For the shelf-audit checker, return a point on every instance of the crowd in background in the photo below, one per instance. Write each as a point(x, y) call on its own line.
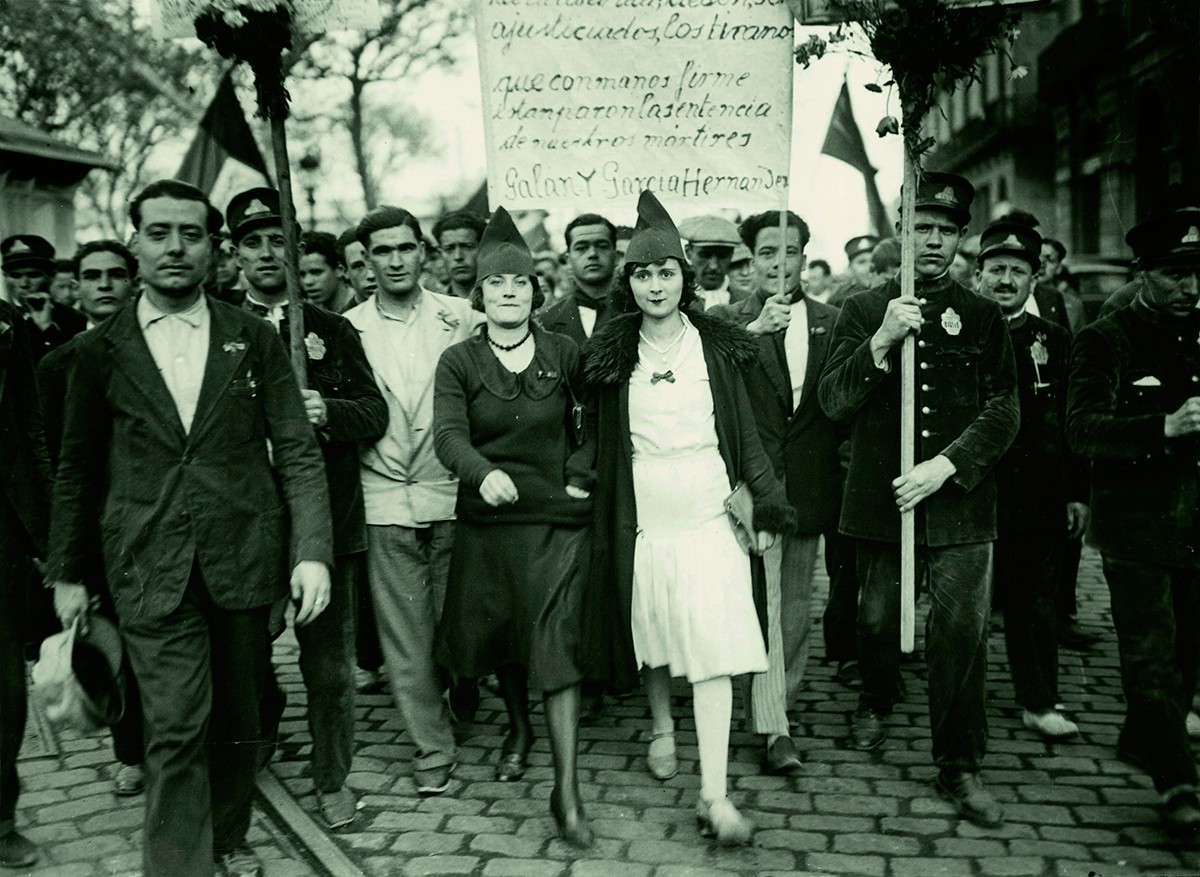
point(580, 473)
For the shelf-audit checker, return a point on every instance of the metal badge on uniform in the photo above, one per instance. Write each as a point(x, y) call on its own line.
point(951, 322)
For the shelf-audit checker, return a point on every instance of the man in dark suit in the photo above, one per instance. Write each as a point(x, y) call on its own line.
point(24, 510)
point(1134, 411)
point(186, 441)
point(105, 271)
point(802, 444)
point(592, 259)
point(966, 399)
point(1041, 490)
point(346, 409)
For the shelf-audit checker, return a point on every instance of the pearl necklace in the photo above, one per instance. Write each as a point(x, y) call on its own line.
point(663, 352)
point(509, 347)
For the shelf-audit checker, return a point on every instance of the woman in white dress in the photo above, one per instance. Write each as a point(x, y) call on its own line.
point(675, 436)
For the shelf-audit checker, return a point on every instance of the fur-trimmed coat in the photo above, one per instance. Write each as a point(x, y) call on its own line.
point(610, 357)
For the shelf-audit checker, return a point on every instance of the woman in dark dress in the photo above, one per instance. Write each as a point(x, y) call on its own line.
point(506, 422)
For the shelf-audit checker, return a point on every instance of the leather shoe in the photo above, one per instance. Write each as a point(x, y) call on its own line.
point(782, 757)
point(867, 731)
point(972, 801)
point(847, 674)
point(130, 780)
point(661, 758)
point(17, 851)
point(1075, 638)
point(1181, 810)
point(242, 862)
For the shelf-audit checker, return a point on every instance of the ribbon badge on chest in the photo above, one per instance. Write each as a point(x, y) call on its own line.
point(1038, 350)
point(951, 322)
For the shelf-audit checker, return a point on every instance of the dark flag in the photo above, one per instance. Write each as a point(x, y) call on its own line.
point(224, 133)
point(844, 142)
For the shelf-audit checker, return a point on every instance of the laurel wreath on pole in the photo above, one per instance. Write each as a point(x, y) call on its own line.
point(258, 32)
point(929, 47)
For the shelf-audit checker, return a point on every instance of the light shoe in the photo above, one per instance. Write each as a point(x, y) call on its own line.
point(1193, 726)
point(972, 801)
point(661, 760)
point(1051, 724)
point(432, 780)
point(242, 862)
point(130, 780)
point(337, 808)
point(721, 820)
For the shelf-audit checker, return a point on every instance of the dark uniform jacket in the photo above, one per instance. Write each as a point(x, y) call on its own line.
point(802, 442)
point(65, 324)
point(609, 361)
point(25, 471)
point(1129, 370)
point(1038, 475)
point(357, 415)
point(967, 410)
point(165, 499)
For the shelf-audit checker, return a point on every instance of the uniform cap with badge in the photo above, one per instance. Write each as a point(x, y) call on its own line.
point(251, 210)
point(948, 193)
point(1006, 238)
point(1169, 238)
point(26, 251)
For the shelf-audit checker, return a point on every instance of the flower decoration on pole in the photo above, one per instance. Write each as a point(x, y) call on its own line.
point(257, 32)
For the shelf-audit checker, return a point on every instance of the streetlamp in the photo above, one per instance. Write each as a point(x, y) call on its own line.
point(310, 169)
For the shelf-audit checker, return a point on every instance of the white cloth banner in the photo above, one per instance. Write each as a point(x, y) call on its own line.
point(587, 102)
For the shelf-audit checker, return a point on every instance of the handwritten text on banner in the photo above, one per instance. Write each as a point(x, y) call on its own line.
point(588, 102)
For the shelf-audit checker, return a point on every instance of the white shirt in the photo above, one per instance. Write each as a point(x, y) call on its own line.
point(587, 316)
point(795, 348)
point(1031, 306)
point(179, 345)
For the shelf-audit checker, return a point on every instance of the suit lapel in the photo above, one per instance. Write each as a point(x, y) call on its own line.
point(131, 355)
point(773, 359)
point(819, 329)
point(226, 350)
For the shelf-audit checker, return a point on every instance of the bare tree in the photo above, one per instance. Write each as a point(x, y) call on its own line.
point(92, 73)
point(413, 37)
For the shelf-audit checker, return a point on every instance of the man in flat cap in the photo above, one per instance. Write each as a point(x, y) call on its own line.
point(1134, 411)
point(28, 265)
point(711, 241)
point(1041, 488)
point(967, 416)
point(346, 411)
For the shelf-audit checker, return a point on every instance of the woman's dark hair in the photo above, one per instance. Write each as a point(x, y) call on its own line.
point(622, 296)
point(476, 297)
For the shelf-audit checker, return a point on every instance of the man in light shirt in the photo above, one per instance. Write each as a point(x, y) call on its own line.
point(409, 494)
point(792, 339)
point(165, 462)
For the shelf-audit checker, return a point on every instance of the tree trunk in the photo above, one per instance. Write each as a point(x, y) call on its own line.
point(357, 128)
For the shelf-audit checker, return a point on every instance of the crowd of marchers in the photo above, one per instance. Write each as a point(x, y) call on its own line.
point(580, 475)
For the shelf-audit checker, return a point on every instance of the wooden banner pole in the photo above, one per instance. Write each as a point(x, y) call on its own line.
point(291, 264)
point(908, 408)
point(783, 236)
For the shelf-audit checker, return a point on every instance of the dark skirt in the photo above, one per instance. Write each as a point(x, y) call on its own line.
point(515, 596)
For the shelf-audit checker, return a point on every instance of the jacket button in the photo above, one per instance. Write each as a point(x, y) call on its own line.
point(925, 410)
point(925, 387)
point(924, 433)
point(924, 366)
point(921, 342)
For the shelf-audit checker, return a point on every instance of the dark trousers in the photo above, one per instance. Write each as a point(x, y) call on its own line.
point(368, 653)
point(959, 580)
point(327, 667)
point(840, 621)
point(1155, 611)
point(13, 704)
point(1028, 573)
point(200, 670)
point(1064, 598)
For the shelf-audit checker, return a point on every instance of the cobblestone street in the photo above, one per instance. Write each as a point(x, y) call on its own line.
point(1072, 809)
